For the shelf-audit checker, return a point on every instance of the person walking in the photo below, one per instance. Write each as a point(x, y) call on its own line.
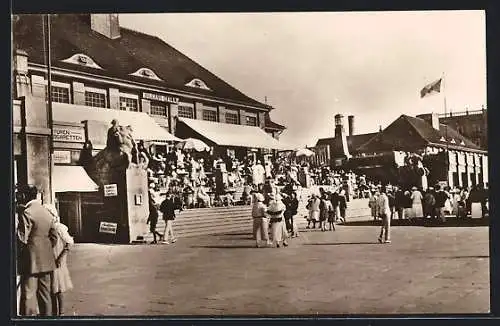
point(399, 200)
point(291, 204)
point(275, 210)
point(260, 221)
point(429, 203)
point(61, 280)
point(328, 212)
point(416, 197)
point(314, 211)
point(167, 208)
point(384, 211)
point(441, 198)
point(37, 235)
point(153, 215)
point(342, 205)
point(372, 203)
point(392, 201)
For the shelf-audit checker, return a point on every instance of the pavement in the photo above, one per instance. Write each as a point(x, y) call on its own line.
point(426, 269)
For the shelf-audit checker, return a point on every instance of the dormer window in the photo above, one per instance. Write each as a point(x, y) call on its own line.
point(452, 141)
point(198, 83)
point(442, 139)
point(146, 73)
point(462, 143)
point(82, 60)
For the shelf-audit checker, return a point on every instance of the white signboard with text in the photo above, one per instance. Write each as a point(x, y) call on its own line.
point(62, 157)
point(107, 227)
point(68, 134)
point(110, 190)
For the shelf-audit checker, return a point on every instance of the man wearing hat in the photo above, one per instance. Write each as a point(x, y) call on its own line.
point(276, 210)
point(37, 235)
point(260, 221)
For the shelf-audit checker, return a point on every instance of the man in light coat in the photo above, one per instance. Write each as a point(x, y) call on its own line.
point(385, 215)
point(37, 235)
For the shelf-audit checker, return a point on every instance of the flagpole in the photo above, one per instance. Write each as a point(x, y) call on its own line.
point(445, 110)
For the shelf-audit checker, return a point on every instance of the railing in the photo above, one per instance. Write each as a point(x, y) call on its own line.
point(461, 113)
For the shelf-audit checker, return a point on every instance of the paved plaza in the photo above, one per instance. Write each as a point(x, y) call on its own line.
point(426, 269)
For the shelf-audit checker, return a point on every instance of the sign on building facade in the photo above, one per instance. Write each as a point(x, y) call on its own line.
point(110, 190)
point(68, 134)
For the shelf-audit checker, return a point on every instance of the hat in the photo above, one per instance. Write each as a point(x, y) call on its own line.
point(259, 197)
point(414, 188)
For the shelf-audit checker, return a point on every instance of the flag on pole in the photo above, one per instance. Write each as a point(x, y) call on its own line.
point(432, 88)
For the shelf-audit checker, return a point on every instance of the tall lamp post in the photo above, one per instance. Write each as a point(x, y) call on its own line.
point(48, 56)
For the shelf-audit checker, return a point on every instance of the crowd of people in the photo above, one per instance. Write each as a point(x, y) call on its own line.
point(435, 202)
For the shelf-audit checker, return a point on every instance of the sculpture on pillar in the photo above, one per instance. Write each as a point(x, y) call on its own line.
point(120, 139)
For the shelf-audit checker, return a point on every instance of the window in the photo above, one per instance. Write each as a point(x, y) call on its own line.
point(251, 121)
point(209, 115)
point(59, 94)
point(95, 99)
point(159, 108)
point(129, 104)
point(185, 112)
point(232, 118)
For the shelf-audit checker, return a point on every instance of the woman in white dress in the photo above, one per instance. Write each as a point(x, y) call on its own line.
point(275, 211)
point(416, 197)
point(314, 211)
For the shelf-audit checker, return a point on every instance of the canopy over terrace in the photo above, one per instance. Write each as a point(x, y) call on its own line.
point(144, 127)
point(231, 135)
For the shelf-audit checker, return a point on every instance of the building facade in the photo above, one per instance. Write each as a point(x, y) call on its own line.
point(451, 157)
point(101, 71)
point(471, 124)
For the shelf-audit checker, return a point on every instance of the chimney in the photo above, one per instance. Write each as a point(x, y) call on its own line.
point(340, 136)
point(339, 125)
point(430, 118)
point(435, 121)
point(106, 24)
point(350, 121)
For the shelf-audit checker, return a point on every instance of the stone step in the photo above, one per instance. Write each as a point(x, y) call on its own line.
point(219, 220)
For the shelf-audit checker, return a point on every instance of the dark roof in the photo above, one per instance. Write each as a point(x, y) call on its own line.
point(269, 124)
point(71, 34)
point(353, 142)
point(409, 133)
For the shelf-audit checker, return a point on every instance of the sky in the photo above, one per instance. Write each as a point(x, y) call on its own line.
point(313, 65)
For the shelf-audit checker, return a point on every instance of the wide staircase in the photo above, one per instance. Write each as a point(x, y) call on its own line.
point(219, 220)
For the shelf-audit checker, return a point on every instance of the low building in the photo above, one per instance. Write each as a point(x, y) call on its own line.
point(450, 157)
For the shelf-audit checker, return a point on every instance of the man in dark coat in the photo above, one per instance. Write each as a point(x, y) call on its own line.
point(36, 235)
point(441, 198)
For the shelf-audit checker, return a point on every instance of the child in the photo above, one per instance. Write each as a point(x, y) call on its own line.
point(61, 281)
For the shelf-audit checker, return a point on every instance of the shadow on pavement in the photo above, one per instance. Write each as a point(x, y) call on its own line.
point(451, 222)
point(341, 243)
point(227, 247)
point(465, 257)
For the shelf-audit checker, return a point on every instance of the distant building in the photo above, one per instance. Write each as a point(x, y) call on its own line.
point(453, 158)
point(471, 124)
